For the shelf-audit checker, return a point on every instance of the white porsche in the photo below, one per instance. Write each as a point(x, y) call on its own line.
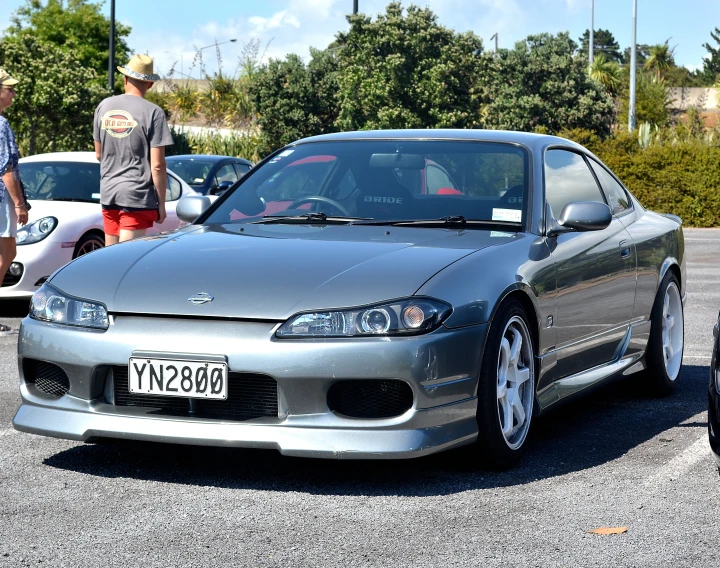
point(65, 219)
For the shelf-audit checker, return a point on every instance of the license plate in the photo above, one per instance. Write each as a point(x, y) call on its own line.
point(170, 377)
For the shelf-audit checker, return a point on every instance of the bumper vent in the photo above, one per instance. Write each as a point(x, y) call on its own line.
point(370, 398)
point(249, 396)
point(47, 378)
point(11, 279)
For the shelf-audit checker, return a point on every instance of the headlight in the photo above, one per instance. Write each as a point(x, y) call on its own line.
point(49, 304)
point(402, 317)
point(36, 231)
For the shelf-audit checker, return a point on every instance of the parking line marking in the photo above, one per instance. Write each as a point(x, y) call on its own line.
point(680, 464)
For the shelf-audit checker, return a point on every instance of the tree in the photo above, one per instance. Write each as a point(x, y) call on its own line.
point(606, 72)
point(76, 26)
point(659, 60)
point(652, 100)
point(711, 64)
point(293, 100)
point(642, 52)
point(604, 42)
point(404, 70)
point(56, 97)
point(542, 85)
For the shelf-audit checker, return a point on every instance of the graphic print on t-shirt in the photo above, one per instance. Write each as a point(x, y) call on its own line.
point(118, 123)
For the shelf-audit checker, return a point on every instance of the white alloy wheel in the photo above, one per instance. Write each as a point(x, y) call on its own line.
point(672, 331)
point(515, 382)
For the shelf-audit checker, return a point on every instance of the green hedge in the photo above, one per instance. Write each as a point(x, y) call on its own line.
point(682, 178)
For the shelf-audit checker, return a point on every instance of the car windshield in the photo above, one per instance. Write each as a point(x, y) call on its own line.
point(190, 170)
point(385, 180)
point(61, 181)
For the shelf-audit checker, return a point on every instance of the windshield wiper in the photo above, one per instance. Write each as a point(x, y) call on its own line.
point(455, 220)
point(307, 218)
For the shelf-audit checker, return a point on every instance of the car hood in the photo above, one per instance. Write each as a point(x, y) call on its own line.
point(266, 272)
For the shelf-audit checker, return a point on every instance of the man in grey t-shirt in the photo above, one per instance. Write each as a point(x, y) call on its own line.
point(130, 138)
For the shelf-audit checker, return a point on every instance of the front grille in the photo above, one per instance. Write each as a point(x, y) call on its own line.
point(249, 396)
point(47, 378)
point(370, 398)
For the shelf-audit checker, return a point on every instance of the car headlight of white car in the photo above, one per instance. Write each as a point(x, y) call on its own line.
point(51, 305)
point(36, 231)
point(410, 316)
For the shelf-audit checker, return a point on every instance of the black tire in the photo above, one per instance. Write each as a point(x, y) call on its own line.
point(667, 339)
point(498, 449)
point(88, 243)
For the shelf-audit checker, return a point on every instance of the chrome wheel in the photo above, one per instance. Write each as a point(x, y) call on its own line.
point(515, 382)
point(672, 331)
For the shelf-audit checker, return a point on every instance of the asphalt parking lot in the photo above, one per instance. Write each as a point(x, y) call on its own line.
point(614, 459)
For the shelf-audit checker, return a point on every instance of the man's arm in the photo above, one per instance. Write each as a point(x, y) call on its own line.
point(16, 195)
point(98, 151)
point(159, 176)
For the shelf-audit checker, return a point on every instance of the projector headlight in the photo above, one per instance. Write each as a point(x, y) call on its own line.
point(51, 305)
point(36, 231)
point(410, 316)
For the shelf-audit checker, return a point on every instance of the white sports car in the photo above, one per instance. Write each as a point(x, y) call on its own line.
point(65, 220)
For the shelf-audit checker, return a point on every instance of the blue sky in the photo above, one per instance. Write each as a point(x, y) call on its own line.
point(172, 31)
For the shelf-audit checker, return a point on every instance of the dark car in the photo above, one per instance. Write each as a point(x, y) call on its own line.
point(209, 175)
point(714, 398)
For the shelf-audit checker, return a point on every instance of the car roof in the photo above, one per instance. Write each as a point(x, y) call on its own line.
point(529, 139)
point(62, 157)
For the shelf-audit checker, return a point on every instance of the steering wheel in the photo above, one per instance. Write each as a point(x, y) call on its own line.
point(319, 199)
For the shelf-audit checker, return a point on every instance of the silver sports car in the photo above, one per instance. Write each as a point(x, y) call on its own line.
point(365, 295)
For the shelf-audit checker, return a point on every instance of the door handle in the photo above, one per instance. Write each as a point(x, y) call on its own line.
point(624, 249)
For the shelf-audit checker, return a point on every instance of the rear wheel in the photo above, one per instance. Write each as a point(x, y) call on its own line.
point(667, 338)
point(506, 389)
point(88, 243)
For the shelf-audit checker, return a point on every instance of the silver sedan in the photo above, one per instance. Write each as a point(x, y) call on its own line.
point(365, 295)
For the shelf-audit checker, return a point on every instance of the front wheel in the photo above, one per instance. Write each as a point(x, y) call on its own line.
point(506, 388)
point(667, 338)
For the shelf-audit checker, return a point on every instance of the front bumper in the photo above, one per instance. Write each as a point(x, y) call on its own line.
point(441, 368)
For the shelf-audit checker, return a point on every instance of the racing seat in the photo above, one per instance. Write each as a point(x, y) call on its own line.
point(382, 196)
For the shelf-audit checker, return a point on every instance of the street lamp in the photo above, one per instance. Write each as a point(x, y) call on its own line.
point(200, 50)
point(111, 48)
point(592, 32)
point(633, 63)
point(355, 6)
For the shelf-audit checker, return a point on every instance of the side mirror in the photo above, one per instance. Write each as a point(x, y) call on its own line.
point(580, 216)
point(222, 186)
point(191, 207)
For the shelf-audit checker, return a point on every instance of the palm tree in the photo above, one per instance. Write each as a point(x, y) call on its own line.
point(605, 72)
point(659, 60)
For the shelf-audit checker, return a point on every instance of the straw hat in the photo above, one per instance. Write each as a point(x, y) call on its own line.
point(6, 80)
point(140, 67)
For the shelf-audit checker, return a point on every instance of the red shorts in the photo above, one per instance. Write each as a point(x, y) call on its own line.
point(115, 220)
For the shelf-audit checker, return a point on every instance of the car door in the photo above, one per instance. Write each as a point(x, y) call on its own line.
point(595, 270)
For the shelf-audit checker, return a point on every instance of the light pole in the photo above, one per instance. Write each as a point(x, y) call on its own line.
point(592, 32)
point(633, 58)
point(111, 48)
point(200, 50)
point(495, 36)
point(355, 6)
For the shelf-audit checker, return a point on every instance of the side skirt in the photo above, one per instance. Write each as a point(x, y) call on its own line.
point(628, 359)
